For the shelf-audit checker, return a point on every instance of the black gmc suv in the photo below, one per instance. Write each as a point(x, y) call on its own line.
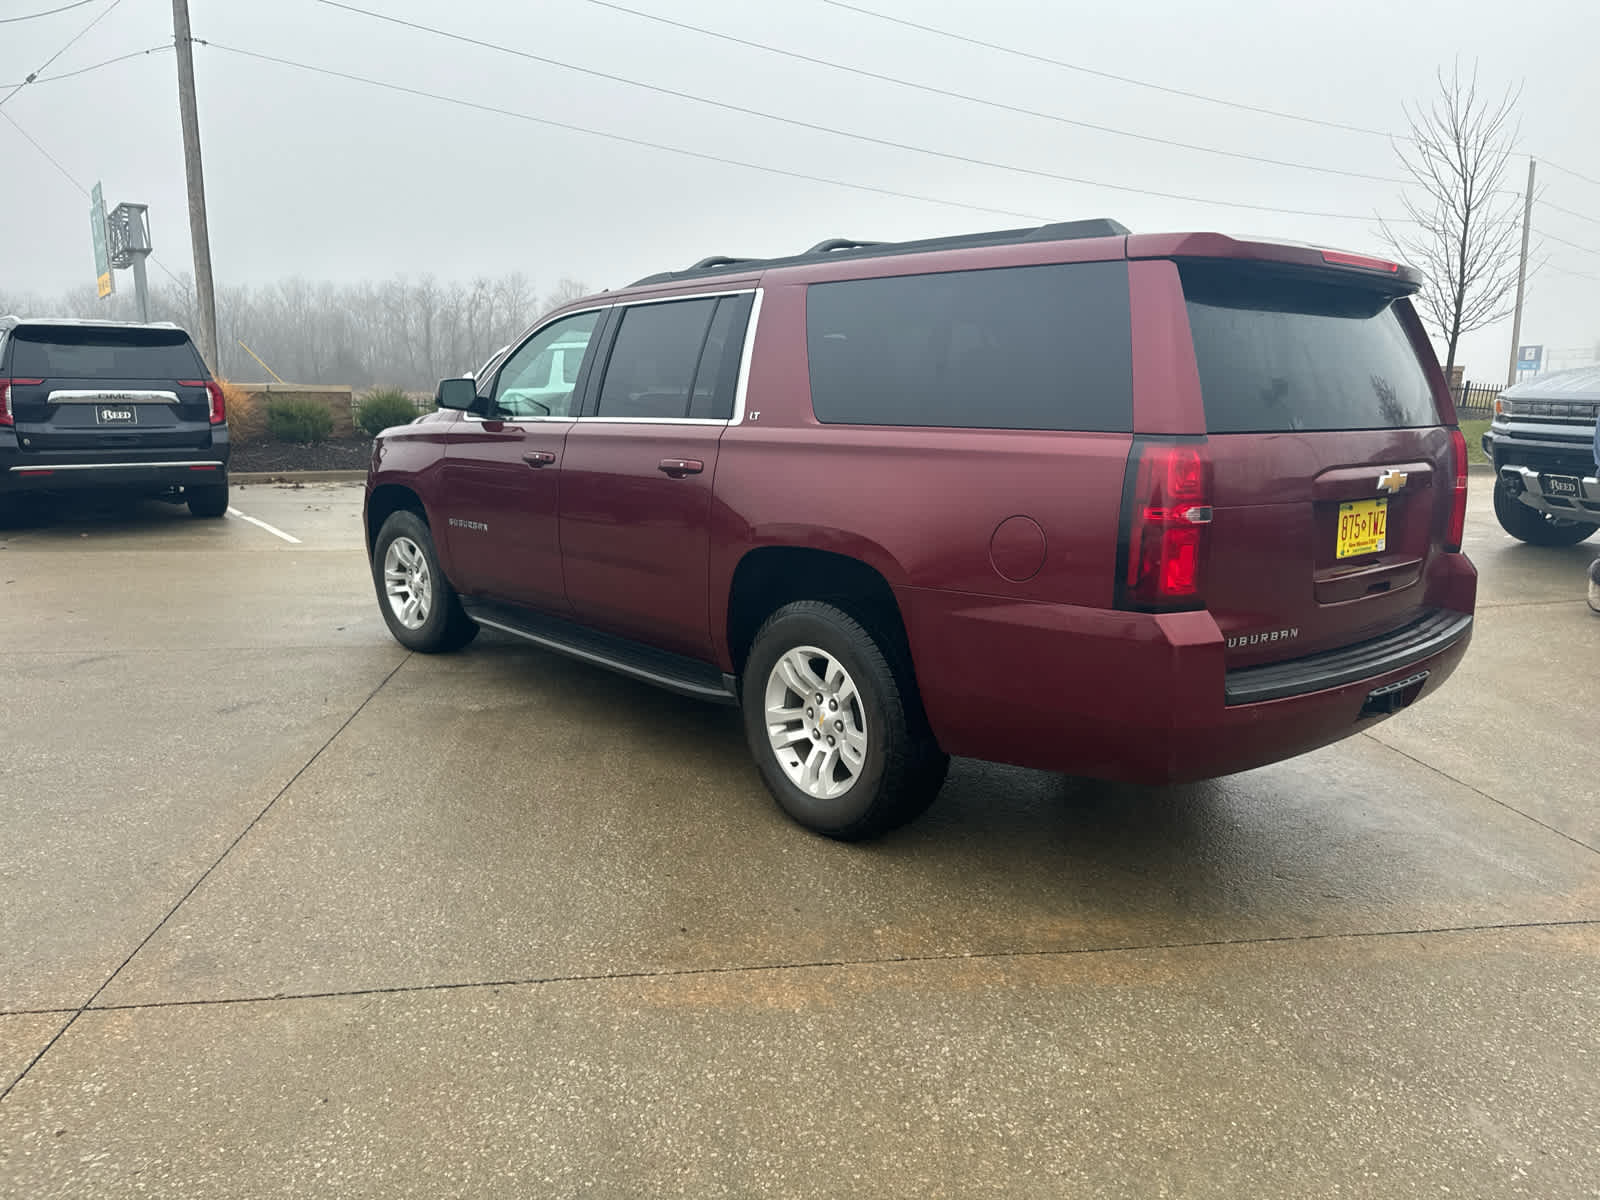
point(102, 404)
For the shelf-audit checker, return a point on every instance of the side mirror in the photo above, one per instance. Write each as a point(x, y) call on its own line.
point(459, 394)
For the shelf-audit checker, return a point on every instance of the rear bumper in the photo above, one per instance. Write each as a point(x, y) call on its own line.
point(201, 470)
point(1533, 488)
point(1145, 698)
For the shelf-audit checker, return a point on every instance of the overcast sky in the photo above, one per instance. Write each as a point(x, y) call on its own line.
point(331, 179)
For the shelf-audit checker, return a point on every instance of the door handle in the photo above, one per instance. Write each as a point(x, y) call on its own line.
point(539, 458)
point(679, 467)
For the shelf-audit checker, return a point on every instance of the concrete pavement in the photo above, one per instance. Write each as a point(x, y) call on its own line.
point(318, 917)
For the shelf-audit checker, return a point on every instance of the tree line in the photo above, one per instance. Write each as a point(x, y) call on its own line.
point(402, 332)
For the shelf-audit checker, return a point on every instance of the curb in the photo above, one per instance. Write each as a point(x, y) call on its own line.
point(247, 477)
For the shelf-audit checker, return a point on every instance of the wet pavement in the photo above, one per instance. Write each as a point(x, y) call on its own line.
point(289, 911)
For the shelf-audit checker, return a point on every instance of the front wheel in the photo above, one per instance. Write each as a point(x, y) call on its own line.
point(836, 731)
point(421, 608)
point(207, 501)
point(1534, 527)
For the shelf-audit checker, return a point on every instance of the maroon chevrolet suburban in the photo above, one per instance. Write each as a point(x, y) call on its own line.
point(1141, 507)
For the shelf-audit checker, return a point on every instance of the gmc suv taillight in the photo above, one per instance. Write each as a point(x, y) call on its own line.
point(219, 411)
point(7, 417)
point(1458, 501)
point(1166, 508)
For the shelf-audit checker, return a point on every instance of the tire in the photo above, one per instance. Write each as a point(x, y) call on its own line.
point(207, 501)
point(424, 613)
point(1534, 527)
point(876, 714)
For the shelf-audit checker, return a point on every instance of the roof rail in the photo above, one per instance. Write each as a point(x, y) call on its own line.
point(832, 244)
point(834, 248)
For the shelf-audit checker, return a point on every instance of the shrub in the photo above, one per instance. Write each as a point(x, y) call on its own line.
point(383, 408)
point(244, 423)
point(299, 419)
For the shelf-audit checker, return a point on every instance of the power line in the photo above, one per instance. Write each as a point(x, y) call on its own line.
point(93, 67)
point(1550, 237)
point(615, 137)
point(1069, 66)
point(954, 95)
point(1567, 211)
point(72, 179)
point(1574, 274)
point(68, 175)
point(70, 43)
point(1570, 171)
point(968, 160)
point(49, 12)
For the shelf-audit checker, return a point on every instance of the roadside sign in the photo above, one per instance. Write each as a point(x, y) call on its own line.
point(102, 253)
point(1529, 357)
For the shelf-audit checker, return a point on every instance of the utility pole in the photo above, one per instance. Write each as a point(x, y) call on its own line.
point(205, 297)
point(1522, 276)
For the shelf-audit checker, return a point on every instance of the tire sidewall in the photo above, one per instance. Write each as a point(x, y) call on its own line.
point(1531, 526)
point(431, 632)
point(856, 807)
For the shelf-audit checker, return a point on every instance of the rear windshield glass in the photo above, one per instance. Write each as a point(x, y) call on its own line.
point(1279, 353)
point(1011, 348)
point(103, 354)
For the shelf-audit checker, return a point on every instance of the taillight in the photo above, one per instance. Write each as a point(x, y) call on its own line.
point(1458, 501)
point(219, 411)
point(7, 417)
point(1165, 514)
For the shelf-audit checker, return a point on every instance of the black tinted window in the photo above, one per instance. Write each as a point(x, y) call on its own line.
point(1015, 348)
point(718, 375)
point(91, 353)
point(653, 359)
point(1279, 353)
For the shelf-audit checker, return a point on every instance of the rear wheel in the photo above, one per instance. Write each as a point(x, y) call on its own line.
point(207, 501)
point(1534, 527)
point(836, 731)
point(421, 608)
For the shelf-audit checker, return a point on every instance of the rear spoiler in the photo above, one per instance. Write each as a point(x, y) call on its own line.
point(1380, 274)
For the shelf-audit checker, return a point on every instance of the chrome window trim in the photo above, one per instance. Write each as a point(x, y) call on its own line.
point(740, 388)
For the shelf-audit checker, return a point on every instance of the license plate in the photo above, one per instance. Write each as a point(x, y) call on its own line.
point(1363, 527)
point(116, 414)
point(1560, 485)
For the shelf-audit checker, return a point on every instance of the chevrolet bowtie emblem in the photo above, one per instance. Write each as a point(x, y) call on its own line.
point(1391, 481)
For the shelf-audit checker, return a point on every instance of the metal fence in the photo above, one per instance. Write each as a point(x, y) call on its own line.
point(1475, 399)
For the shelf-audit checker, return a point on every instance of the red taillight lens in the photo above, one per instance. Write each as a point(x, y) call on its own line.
point(219, 411)
point(7, 417)
point(1338, 258)
point(1167, 512)
point(1458, 501)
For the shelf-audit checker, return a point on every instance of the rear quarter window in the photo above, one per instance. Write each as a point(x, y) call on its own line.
point(1045, 347)
point(89, 353)
point(1278, 353)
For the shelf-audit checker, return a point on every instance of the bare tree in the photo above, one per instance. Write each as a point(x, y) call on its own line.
point(1465, 220)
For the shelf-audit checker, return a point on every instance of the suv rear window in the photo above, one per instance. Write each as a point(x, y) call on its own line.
point(97, 353)
point(1011, 348)
point(1280, 353)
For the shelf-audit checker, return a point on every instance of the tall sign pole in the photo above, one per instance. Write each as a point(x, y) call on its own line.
point(1522, 276)
point(205, 297)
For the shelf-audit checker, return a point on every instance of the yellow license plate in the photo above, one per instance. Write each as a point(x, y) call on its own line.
point(1363, 527)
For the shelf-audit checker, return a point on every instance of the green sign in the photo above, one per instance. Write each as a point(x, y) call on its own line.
point(102, 256)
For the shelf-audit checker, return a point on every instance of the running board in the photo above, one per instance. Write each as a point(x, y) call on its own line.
point(687, 676)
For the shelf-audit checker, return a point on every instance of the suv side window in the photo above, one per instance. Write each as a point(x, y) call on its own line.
point(654, 359)
point(538, 380)
point(718, 376)
point(1046, 347)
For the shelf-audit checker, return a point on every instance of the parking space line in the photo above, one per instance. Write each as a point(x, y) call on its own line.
point(276, 532)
